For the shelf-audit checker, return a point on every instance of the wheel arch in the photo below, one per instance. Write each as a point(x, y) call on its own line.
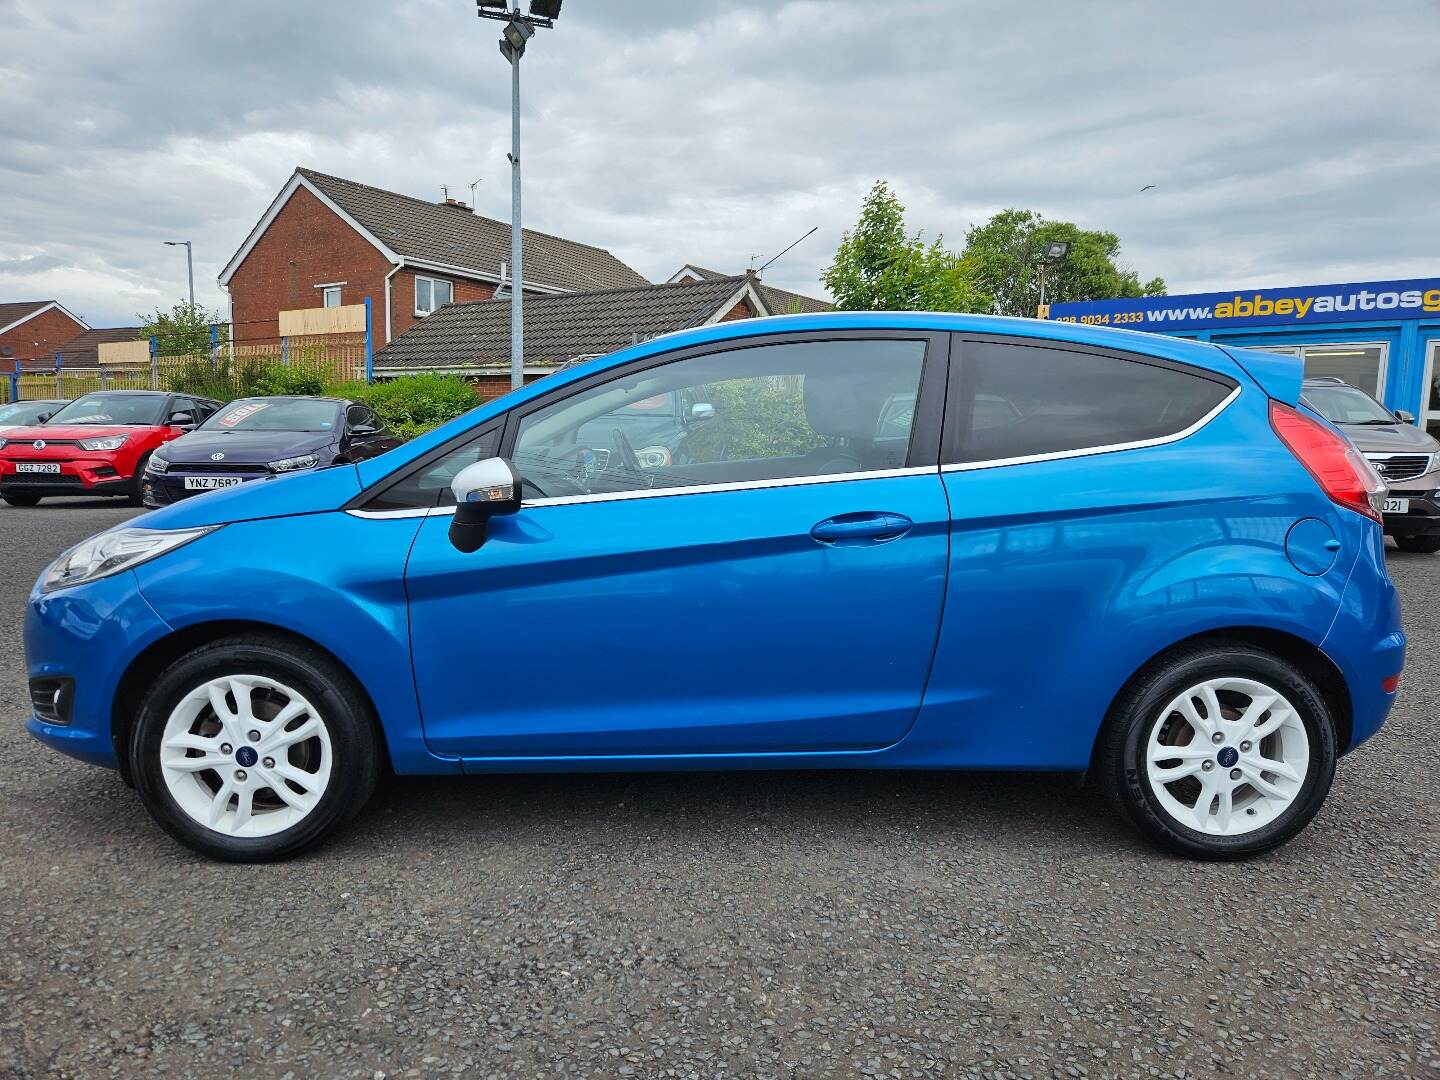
point(158, 655)
point(1308, 657)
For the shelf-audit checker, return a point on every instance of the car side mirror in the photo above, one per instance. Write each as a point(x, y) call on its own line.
point(364, 429)
point(482, 491)
point(182, 419)
point(702, 410)
point(43, 417)
point(1405, 417)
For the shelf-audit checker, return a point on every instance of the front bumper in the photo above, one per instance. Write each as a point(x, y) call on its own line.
point(163, 489)
point(88, 634)
point(97, 474)
point(1423, 517)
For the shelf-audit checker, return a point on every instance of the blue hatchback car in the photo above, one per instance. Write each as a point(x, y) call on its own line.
point(900, 541)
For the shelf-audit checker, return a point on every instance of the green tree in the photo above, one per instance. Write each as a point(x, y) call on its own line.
point(184, 330)
point(879, 267)
point(1001, 257)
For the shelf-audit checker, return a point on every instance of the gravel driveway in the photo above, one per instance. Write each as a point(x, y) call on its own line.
point(772, 925)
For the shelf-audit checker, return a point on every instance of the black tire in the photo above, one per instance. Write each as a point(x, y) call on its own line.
point(355, 750)
point(1420, 545)
point(1120, 765)
point(136, 495)
point(21, 498)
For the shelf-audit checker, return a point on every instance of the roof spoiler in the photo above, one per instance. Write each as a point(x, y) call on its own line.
point(1279, 375)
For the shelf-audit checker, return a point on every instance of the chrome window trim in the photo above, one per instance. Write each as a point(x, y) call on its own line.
point(1089, 451)
point(660, 493)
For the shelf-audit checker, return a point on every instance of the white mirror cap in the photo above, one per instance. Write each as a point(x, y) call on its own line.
point(488, 481)
point(702, 411)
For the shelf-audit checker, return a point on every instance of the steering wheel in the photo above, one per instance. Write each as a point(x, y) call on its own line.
point(625, 450)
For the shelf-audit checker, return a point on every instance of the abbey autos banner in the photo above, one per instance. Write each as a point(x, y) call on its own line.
point(1368, 301)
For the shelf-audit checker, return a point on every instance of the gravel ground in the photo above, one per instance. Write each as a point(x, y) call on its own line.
point(765, 925)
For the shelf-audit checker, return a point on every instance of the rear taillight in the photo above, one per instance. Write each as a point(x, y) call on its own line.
point(1329, 457)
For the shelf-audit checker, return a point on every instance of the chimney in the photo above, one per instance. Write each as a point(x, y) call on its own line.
point(456, 204)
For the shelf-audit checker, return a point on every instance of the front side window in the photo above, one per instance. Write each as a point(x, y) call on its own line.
point(431, 293)
point(138, 409)
point(767, 412)
point(1029, 400)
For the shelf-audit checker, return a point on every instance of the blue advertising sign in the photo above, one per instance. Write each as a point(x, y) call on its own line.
point(1367, 301)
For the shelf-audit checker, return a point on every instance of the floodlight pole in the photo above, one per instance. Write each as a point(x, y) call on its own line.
point(189, 265)
point(517, 248)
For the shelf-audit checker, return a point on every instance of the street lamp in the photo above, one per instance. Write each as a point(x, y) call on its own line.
point(189, 265)
point(1053, 252)
point(519, 29)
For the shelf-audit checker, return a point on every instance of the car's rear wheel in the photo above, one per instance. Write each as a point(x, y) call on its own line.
point(1219, 752)
point(21, 498)
point(1421, 545)
point(251, 749)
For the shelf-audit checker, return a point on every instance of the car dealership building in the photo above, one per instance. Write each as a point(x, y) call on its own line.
point(1382, 336)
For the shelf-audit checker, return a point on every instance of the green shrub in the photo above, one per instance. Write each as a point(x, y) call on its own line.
point(296, 379)
point(413, 404)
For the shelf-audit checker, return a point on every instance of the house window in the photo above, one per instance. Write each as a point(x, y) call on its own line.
point(332, 296)
point(430, 293)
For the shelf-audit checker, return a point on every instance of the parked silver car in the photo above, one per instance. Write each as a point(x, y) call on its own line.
point(1405, 455)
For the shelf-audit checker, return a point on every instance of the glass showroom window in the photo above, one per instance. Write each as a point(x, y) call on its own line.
point(430, 293)
point(1361, 365)
point(1430, 392)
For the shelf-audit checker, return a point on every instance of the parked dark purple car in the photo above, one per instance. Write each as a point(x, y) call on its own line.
point(253, 438)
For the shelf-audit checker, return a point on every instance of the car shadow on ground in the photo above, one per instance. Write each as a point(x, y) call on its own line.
point(671, 811)
point(822, 808)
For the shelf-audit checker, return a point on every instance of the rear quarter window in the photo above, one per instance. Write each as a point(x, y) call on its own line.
point(1025, 401)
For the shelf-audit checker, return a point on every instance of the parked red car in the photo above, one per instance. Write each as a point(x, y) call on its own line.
point(96, 445)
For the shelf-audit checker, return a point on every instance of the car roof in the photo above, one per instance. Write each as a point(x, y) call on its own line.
point(292, 397)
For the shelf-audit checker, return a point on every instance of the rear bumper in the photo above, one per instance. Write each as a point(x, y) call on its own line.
point(1367, 642)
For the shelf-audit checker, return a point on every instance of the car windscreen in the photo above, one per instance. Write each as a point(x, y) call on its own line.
point(25, 412)
point(141, 409)
point(275, 414)
point(1347, 405)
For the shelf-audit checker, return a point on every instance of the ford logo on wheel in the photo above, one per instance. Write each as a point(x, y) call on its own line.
point(217, 456)
point(38, 444)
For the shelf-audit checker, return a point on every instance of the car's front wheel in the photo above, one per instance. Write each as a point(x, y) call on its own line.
point(252, 749)
point(1219, 751)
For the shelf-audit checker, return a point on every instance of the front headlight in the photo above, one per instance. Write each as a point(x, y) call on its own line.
point(157, 465)
point(109, 442)
point(289, 464)
point(114, 551)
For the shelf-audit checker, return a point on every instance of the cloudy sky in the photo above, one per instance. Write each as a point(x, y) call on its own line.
point(1289, 142)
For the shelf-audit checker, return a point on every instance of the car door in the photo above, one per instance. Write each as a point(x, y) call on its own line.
point(776, 591)
point(1089, 490)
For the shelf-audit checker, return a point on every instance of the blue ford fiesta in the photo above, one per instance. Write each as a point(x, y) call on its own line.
point(257, 437)
point(871, 541)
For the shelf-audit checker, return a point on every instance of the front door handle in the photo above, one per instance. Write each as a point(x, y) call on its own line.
point(866, 526)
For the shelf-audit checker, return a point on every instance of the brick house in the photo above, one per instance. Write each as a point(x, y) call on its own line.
point(325, 241)
point(473, 339)
point(778, 301)
point(32, 330)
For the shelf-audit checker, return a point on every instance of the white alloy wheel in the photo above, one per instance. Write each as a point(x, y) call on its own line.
point(1227, 756)
point(245, 755)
